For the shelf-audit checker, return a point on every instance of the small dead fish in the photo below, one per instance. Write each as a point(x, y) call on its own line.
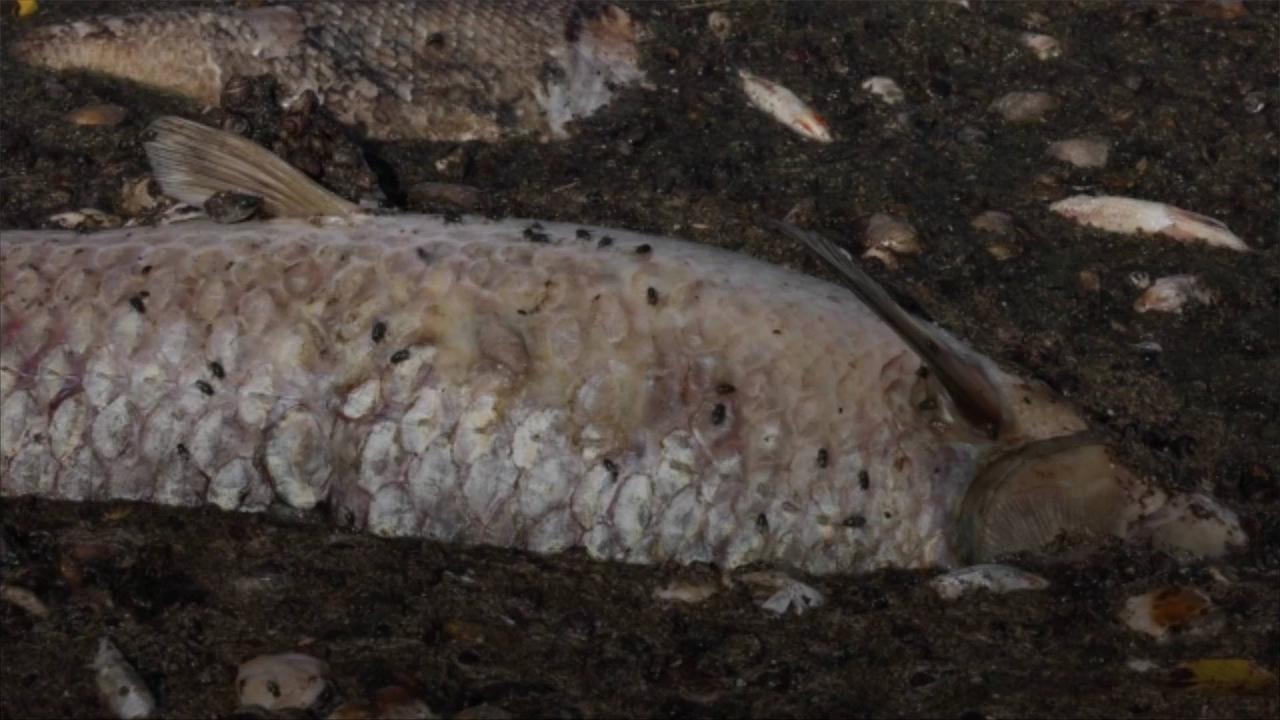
point(447, 70)
point(782, 105)
point(1130, 216)
point(1170, 294)
point(456, 381)
point(120, 687)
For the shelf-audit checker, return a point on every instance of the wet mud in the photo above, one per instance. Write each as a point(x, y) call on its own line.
point(1188, 94)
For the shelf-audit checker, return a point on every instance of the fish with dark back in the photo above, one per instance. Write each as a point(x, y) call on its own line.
point(437, 70)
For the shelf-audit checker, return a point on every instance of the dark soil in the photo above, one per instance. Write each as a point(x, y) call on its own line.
point(188, 595)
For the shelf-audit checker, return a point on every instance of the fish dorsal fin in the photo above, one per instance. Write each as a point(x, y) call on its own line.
point(193, 161)
point(972, 391)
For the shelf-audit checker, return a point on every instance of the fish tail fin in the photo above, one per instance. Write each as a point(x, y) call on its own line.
point(191, 52)
point(193, 161)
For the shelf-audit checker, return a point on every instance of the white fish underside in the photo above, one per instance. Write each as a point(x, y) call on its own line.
point(527, 394)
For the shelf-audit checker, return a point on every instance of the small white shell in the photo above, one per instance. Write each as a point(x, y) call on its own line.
point(1025, 107)
point(1086, 152)
point(782, 105)
point(277, 682)
point(690, 593)
point(789, 592)
point(1044, 47)
point(994, 577)
point(888, 238)
point(119, 685)
point(85, 219)
point(1157, 612)
point(885, 89)
point(1170, 294)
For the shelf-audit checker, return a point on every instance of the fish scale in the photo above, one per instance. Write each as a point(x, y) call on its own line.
point(443, 70)
point(521, 394)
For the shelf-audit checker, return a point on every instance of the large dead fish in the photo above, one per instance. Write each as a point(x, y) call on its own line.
point(442, 70)
point(536, 385)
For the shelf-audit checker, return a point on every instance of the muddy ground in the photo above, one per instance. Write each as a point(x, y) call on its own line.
point(188, 595)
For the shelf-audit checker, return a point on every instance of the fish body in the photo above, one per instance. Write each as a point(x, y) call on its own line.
point(1130, 216)
point(541, 386)
point(784, 106)
point(438, 70)
point(535, 385)
point(461, 382)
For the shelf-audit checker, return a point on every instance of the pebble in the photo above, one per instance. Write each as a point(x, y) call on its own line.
point(992, 577)
point(1171, 294)
point(102, 115)
point(1002, 251)
point(1044, 47)
point(885, 89)
point(228, 207)
point(1025, 107)
point(994, 222)
point(285, 681)
point(1086, 152)
point(1089, 280)
point(119, 686)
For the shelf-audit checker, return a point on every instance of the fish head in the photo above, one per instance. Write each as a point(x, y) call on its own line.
point(1038, 473)
point(1045, 479)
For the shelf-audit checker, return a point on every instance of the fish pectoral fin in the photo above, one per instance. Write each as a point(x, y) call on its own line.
point(193, 161)
point(975, 395)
